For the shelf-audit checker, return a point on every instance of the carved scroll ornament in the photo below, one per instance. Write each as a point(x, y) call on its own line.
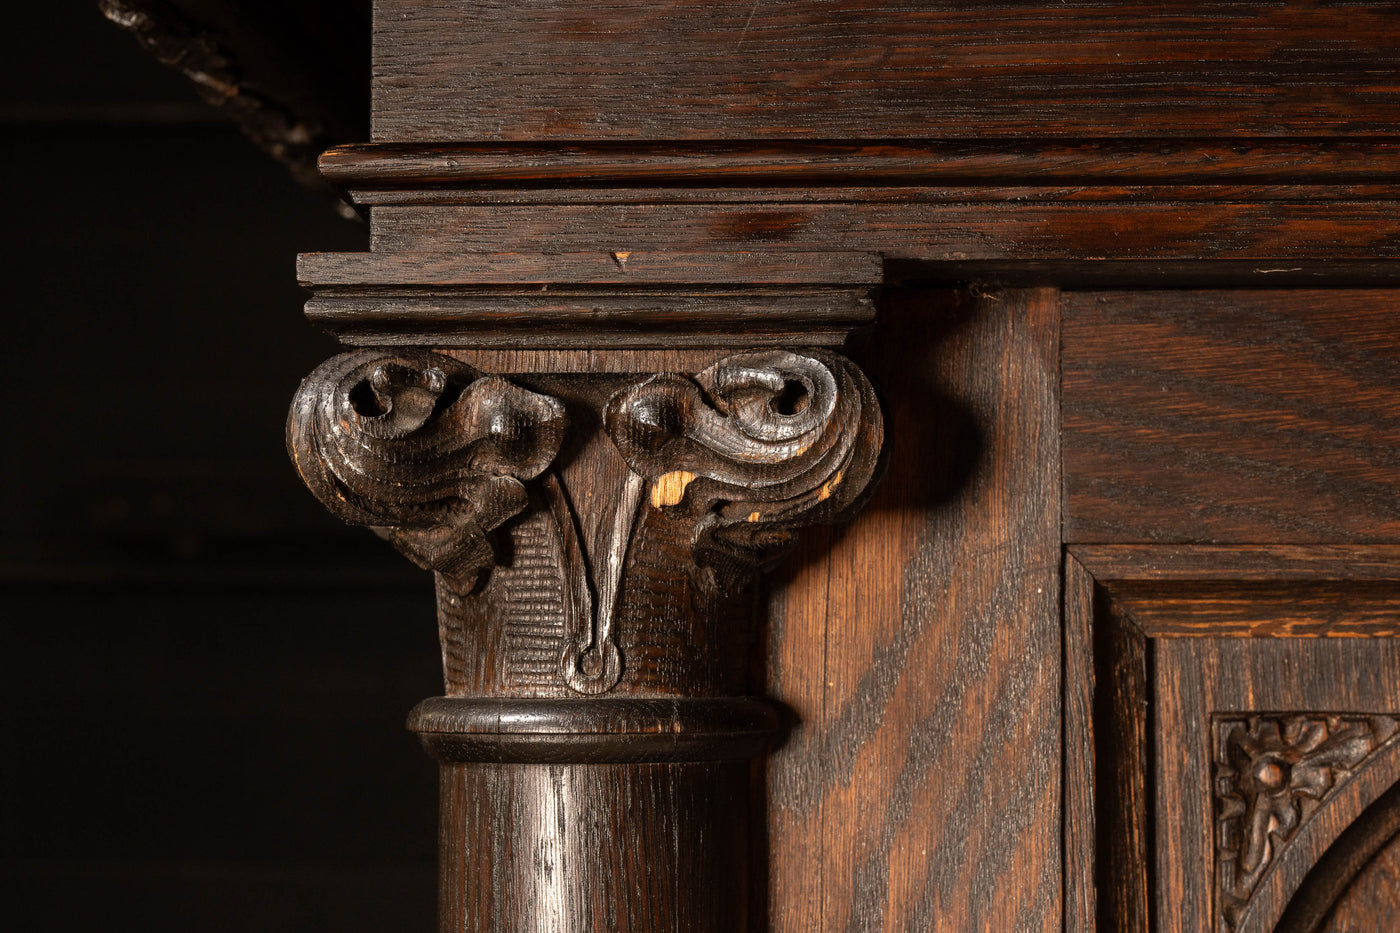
point(424, 449)
point(753, 447)
point(725, 465)
point(613, 640)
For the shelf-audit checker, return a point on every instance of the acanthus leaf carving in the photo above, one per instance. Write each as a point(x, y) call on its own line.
point(1272, 773)
point(423, 449)
point(753, 447)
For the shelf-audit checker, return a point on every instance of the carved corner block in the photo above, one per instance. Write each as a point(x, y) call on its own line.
point(1272, 774)
point(595, 532)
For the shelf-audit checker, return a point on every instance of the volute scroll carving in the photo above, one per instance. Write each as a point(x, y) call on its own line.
point(694, 481)
point(595, 536)
point(753, 447)
point(423, 449)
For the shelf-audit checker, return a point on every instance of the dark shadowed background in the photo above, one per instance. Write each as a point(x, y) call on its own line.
point(203, 677)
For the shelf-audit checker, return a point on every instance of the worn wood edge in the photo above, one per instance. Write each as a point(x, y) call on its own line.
point(859, 162)
point(1080, 891)
point(602, 267)
point(1121, 563)
point(459, 729)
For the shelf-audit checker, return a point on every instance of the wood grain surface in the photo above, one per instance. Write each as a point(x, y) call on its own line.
point(920, 787)
point(1357, 880)
point(598, 267)
point(394, 172)
point(1282, 591)
point(1373, 894)
point(687, 69)
point(638, 848)
point(1198, 679)
point(602, 299)
point(1081, 861)
point(1239, 417)
point(961, 226)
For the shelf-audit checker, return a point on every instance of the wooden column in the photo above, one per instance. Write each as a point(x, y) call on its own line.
point(593, 505)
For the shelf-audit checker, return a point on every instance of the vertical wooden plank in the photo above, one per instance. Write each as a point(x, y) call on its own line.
point(921, 788)
point(1123, 844)
point(1186, 672)
point(1080, 895)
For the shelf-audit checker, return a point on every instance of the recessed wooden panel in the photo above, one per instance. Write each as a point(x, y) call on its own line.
point(1227, 710)
point(697, 69)
point(1232, 417)
point(1213, 761)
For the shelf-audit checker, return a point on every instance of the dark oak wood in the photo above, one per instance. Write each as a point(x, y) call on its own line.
point(1240, 417)
point(619, 267)
point(634, 848)
point(1358, 880)
point(622, 259)
point(955, 227)
point(1375, 892)
point(920, 787)
point(811, 70)
point(593, 537)
point(611, 299)
point(1248, 750)
point(1285, 591)
point(1080, 742)
point(1353, 681)
point(388, 173)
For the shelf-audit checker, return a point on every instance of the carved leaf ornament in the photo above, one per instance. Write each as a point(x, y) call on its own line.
point(1272, 773)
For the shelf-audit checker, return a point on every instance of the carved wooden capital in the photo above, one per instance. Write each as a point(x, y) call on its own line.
point(676, 483)
point(595, 524)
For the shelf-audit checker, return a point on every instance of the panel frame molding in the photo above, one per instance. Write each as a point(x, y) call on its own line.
point(1143, 624)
